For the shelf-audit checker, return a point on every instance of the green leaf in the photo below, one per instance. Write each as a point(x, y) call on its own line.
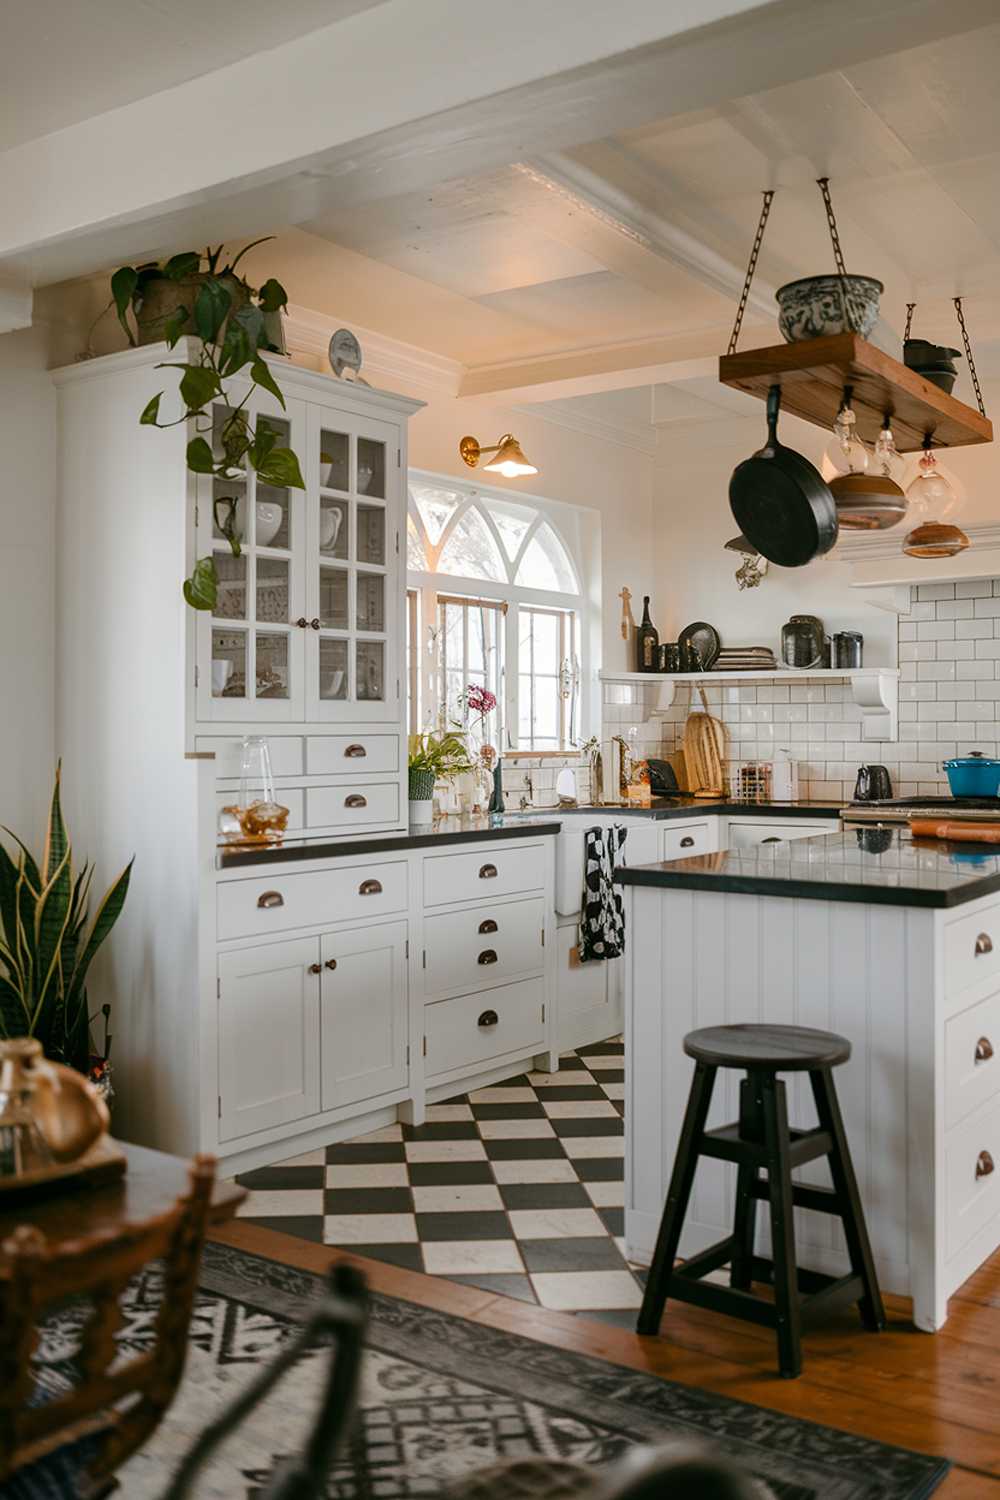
point(281, 469)
point(199, 384)
point(236, 348)
point(201, 590)
point(8, 896)
point(14, 1020)
point(151, 411)
point(106, 916)
point(56, 839)
point(184, 264)
point(174, 326)
point(123, 284)
point(210, 308)
point(272, 296)
point(51, 922)
point(246, 248)
point(261, 375)
point(199, 456)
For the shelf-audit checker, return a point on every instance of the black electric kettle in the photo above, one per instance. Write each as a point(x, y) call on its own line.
point(873, 784)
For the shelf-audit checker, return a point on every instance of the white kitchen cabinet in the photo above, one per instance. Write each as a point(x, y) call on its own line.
point(363, 1014)
point(268, 1009)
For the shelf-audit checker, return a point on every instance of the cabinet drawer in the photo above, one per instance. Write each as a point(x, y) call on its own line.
point(770, 831)
point(485, 946)
point(484, 873)
point(678, 843)
point(285, 750)
point(352, 804)
point(475, 1028)
point(972, 949)
point(251, 908)
point(971, 1059)
point(332, 754)
point(972, 1176)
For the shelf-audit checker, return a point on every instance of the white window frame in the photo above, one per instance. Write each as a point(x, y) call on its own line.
point(585, 603)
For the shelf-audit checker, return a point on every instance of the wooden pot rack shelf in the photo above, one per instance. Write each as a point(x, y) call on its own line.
point(812, 375)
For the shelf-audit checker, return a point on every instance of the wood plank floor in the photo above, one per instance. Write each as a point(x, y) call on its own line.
point(935, 1394)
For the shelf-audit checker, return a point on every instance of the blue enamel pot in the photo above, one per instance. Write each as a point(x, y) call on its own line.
point(973, 775)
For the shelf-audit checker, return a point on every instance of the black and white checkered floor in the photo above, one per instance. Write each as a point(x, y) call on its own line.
point(518, 1189)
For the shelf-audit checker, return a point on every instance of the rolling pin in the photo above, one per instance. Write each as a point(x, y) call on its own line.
point(963, 833)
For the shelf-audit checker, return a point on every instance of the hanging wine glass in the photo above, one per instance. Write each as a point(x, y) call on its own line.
point(932, 499)
point(846, 453)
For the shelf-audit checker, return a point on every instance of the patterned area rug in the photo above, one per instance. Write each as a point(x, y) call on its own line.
point(443, 1397)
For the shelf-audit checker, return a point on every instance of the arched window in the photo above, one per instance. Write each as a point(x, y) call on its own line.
point(497, 600)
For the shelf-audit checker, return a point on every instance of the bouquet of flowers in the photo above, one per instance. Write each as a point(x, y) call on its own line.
point(477, 703)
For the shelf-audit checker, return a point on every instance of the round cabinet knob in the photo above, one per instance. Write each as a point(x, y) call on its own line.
point(984, 1049)
point(490, 1018)
point(984, 1165)
point(315, 968)
point(984, 944)
point(314, 623)
point(488, 956)
point(330, 964)
point(302, 622)
point(687, 842)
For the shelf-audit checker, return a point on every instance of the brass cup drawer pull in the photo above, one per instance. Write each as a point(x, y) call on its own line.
point(488, 956)
point(355, 752)
point(270, 898)
point(355, 800)
point(315, 969)
point(984, 1049)
point(330, 964)
point(984, 1165)
point(370, 888)
point(490, 1018)
point(488, 925)
point(687, 842)
point(487, 872)
point(774, 839)
point(984, 944)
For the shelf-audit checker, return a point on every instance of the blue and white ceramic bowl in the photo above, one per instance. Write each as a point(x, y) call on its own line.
point(814, 306)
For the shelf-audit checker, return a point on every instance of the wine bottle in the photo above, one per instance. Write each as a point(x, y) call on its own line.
point(647, 641)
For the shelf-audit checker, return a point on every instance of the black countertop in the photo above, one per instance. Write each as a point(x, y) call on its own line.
point(663, 808)
point(452, 830)
point(882, 866)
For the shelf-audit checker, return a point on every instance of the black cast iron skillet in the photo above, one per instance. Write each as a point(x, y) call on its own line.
point(781, 503)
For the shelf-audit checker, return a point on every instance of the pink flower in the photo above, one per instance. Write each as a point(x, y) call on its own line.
point(480, 699)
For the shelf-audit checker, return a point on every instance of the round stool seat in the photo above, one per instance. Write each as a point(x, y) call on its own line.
point(767, 1049)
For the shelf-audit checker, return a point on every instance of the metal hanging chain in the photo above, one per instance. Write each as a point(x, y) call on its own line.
point(968, 354)
point(751, 268)
point(823, 183)
point(909, 320)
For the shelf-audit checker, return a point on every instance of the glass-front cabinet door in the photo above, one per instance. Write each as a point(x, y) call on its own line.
point(251, 658)
point(352, 570)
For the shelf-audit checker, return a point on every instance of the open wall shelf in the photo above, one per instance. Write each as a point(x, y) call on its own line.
point(812, 376)
point(875, 690)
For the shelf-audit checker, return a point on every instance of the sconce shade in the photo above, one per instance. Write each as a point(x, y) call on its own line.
point(509, 459)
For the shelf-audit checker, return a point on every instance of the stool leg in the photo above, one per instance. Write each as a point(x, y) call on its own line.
point(745, 1215)
point(851, 1209)
point(779, 1171)
point(681, 1182)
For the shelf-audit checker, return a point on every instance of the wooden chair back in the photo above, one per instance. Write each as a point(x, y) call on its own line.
point(119, 1400)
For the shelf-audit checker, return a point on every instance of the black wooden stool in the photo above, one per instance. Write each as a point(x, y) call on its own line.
point(763, 1142)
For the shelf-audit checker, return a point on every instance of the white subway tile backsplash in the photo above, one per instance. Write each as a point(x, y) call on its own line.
point(987, 650)
point(936, 630)
point(973, 588)
point(955, 609)
point(973, 630)
point(987, 608)
point(959, 650)
point(935, 591)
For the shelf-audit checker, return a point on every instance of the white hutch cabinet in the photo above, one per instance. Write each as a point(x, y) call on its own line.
point(306, 646)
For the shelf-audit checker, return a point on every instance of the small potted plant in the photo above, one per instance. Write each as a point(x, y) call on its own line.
point(431, 758)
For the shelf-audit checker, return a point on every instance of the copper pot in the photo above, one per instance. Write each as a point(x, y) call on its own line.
point(48, 1113)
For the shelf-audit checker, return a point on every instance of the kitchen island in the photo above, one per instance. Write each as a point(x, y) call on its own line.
point(891, 942)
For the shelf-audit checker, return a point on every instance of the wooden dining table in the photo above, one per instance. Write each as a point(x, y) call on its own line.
point(150, 1185)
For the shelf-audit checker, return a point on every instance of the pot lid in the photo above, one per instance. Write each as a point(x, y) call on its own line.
point(974, 758)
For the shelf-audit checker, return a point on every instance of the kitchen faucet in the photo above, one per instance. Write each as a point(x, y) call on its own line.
point(529, 788)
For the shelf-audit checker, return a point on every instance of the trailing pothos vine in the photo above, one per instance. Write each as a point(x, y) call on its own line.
point(229, 318)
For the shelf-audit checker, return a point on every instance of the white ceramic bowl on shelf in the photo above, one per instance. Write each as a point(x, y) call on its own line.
point(813, 306)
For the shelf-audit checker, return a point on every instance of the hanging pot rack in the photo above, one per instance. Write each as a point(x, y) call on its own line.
point(812, 374)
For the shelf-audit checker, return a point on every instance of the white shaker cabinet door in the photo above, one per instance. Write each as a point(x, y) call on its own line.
point(363, 1017)
point(268, 1036)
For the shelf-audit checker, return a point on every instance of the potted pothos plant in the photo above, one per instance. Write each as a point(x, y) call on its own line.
point(431, 758)
point(197, 295)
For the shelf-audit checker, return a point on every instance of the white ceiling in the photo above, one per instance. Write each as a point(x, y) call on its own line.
point(644, 235)
point(65, 60)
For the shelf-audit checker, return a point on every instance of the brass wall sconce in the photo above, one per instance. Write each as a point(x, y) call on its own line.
point(510, 460)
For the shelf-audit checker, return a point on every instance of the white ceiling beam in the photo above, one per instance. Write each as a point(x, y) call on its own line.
point(606, 367)
point(406, 95)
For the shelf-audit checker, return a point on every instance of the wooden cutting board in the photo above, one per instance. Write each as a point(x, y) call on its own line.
point(959, 832)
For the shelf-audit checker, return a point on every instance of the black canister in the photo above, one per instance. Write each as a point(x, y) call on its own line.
point(669, 656)
point(848, 649)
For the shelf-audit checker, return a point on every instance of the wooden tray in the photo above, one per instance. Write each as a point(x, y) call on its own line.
point(104, 1162)
point(812, 375)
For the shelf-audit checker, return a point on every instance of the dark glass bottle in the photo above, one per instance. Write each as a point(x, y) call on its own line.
point(647, 642)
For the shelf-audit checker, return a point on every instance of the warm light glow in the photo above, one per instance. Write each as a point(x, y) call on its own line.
point(509, 469)
point(509, 460)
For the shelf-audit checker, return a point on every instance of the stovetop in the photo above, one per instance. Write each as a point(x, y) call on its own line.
point(899, 809)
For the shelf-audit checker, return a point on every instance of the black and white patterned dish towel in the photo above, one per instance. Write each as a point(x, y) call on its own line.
point(602, 921)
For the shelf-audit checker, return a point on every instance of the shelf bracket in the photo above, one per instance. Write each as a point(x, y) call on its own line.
point(877, 696)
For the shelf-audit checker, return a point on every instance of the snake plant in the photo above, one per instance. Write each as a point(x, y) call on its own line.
point(47, 943)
